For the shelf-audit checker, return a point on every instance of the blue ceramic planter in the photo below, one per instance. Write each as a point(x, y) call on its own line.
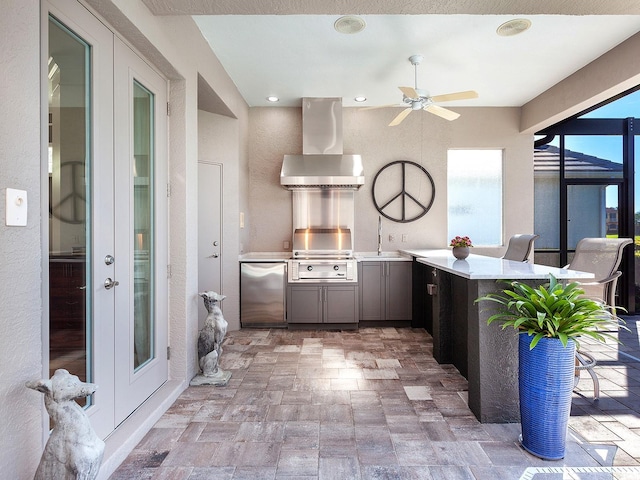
point(546, 382)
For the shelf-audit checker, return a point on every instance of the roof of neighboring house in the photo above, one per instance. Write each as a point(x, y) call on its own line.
point(548, 160)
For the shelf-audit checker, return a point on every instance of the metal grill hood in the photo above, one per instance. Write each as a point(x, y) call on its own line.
point(322, 163)
point(310, 170)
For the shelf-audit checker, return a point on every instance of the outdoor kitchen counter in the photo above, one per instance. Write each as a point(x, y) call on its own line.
point(482, 267)
point(485, 354)
point(265, 257)
point(389, 256)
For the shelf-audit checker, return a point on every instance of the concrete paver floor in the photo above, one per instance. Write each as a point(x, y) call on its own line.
point(374, 404)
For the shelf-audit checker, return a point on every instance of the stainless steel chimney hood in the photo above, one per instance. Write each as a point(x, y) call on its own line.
point(322, 171)
point(322, 163)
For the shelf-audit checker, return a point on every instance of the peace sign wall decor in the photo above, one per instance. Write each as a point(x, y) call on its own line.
point(403, 191)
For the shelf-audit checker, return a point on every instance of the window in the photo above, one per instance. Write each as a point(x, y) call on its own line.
point(474, 195)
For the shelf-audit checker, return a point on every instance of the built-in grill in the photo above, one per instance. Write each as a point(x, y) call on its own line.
point(323, 255)
point(322, 182)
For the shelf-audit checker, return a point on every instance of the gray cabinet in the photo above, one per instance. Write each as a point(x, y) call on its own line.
point(385, 290)
point(322, 303)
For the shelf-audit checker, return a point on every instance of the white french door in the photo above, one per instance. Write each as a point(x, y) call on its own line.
point(107, 246)
point(140, 230)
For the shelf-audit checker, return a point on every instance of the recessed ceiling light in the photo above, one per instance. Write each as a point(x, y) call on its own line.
point(360, 99)
point(349, 24)
point(273, 98)
point(513, 27)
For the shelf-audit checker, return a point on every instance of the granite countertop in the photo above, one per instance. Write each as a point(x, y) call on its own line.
point(482, 267)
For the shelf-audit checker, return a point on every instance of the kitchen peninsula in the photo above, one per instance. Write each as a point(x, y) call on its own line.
point(485, 354)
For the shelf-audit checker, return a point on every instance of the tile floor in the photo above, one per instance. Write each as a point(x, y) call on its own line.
point(374, 404)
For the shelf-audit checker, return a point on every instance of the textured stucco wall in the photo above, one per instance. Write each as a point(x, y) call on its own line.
point(20, 251)
point(422, 138)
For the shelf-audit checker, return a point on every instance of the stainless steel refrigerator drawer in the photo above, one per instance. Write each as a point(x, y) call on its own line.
point(262, 294)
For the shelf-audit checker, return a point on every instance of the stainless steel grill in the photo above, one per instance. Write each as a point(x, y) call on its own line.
point(318, 270)
point(323, 255)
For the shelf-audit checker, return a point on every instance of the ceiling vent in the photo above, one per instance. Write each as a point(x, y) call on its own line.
point(513, 27)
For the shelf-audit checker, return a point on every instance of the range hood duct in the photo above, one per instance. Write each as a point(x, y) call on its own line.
point(322, 163)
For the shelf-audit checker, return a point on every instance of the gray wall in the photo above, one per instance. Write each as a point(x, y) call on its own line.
point(422, 138)
point(20, 247)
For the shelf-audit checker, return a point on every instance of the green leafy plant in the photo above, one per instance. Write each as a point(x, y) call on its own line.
point(554, 311)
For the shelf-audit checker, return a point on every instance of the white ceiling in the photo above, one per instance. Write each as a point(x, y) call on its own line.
point(295, 56)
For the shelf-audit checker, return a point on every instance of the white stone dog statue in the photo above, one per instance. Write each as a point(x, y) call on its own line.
point(210, 343)
point(73, 451)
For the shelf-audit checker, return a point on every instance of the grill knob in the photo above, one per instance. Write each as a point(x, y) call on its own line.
point(309, 268)
point(336, 268)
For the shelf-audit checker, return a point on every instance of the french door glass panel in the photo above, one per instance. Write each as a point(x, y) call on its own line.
point(69, 165)
point(143, 228)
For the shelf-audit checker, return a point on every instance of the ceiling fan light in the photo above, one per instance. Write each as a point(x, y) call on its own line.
point(349, 24)
point(513, 27)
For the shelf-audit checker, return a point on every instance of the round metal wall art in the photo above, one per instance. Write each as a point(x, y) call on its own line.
point(404, 206)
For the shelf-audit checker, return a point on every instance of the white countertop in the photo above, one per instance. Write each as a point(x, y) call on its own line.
point(481, 267)
point(389, 256)
point(265, 257)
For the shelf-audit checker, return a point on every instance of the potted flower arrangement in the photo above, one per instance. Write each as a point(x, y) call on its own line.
point(550, 320)
point(460, 246)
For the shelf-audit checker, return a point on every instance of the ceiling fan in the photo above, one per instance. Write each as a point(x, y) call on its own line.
point(415, 98)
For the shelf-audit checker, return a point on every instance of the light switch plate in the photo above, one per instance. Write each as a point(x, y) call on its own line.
point(16, 208)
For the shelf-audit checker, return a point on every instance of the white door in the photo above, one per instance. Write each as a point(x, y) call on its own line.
point(140, 110)
point(107, 220)
point(209, 230)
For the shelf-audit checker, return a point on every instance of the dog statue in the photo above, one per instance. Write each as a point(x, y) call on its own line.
point(73, 451)
point(210, 343)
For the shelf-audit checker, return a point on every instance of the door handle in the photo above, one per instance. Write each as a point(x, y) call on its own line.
point(109, 283)
point(215, 255)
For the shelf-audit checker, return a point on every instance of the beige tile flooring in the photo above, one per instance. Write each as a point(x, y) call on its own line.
point(374, 404)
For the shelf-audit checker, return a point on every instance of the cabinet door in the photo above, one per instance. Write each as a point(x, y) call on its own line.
point(341, 304)
point(398, 290)
point(372, 291)
point(304, 304)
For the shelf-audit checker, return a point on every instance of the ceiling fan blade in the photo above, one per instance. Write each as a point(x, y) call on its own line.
point(400, 117)
point(449, 97)
point(442, 112)
point(383, 106)
point(409, 92)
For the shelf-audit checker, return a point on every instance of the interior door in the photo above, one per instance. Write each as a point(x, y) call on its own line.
point(209, 230)
point(141, 248)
